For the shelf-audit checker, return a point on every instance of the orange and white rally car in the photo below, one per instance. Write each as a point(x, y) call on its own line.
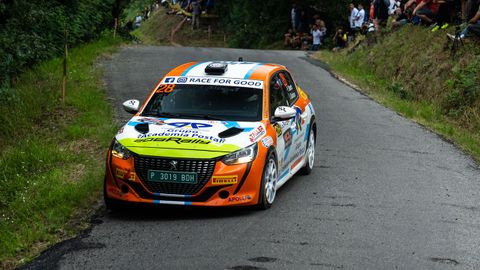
point(213, 134)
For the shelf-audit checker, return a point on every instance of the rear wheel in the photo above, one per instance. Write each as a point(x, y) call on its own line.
point(268, 187)
point(310, 154)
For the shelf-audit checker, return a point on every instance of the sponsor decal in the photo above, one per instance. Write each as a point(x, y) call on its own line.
point(165, 88)
point(267, 142)
point(303, 94)
point(296, 163)
point(119, 173)
point(214, 81)
point(178, 140)
point(242, 198)
point(224, 180)
point(299, 151)
point(257, 133)
point(169, 80)
point(148, 120)
point(278, 129)
point(182, 133)
point(182, 80)
point(189, 125)
point(124, 174)
point(283, 79)
point(287, 137)
point(298, 119)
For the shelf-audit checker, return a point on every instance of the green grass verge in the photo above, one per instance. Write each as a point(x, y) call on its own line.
point(52, 156)
point(412, 73)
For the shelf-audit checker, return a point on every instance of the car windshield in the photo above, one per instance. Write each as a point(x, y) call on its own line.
point(210, 102)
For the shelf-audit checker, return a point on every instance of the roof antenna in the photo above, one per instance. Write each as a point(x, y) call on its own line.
point(240, 59)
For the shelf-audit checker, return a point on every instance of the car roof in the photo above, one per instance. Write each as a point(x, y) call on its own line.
point(235, 70)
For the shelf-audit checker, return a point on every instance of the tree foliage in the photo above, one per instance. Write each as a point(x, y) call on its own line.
point(33, 30)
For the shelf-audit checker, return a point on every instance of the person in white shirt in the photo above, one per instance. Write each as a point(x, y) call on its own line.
point(353, 15)
point(360, 18)
point(317, 35)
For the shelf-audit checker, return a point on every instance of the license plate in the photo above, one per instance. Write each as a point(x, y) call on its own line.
point(172, 177)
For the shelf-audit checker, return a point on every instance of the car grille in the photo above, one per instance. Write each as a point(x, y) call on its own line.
point(203, 167)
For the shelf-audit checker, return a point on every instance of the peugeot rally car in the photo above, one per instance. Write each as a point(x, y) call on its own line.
point(213, 134)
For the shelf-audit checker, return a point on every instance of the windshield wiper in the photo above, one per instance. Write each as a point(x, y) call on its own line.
point(185, 115)
point(205, 116)
point(162, 114)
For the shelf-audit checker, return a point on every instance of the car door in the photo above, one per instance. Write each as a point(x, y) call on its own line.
point(297, 125)
point(278, 97)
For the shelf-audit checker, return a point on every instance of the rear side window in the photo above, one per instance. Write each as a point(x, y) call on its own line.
point(289, 86)
point(277, 94)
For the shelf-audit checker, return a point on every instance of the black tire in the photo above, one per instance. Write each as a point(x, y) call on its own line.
point(307, 169)
point(263, 203)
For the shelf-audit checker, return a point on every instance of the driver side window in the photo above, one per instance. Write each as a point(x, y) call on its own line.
point(277, 94)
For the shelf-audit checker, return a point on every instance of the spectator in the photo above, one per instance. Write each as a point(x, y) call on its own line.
point(393, 7)
point(297, 41)
point(209, 6)
point(472, 28)
point(400, 18)
point(445, 14)
point(196, 13)
point(352, 17)
point(289, 37)
point(426, 10)
point(303, 25)
point(295, 16)
point(306, 40)
point(317, 34)
point(360, 18)
point(138, 21)
point(340, 39)
point(381, 11)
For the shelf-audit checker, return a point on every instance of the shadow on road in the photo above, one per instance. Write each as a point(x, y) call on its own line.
point(165, 212)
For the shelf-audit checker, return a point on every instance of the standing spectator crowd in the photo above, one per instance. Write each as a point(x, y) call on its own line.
point(309, 33)
point(306, 33)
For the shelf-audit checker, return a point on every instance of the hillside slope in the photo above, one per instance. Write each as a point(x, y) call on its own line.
point(412, 71)
point(158, 28)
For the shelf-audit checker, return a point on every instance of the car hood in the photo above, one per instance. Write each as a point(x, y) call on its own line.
point(183, 138)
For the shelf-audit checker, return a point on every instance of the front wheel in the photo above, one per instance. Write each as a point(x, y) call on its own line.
point(309, 155)
point(268, 187)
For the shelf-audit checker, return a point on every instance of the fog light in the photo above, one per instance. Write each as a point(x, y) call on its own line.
point(224, 194)
point(125, 189)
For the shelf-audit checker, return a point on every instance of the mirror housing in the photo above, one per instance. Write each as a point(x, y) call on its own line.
point(131, 106)
point(284, 113)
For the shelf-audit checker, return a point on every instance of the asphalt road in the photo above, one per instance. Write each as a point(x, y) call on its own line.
point(385, 192)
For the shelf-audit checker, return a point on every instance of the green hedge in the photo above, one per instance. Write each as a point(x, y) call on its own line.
point(33, 30)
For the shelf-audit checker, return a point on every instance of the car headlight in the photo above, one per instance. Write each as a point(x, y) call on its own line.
point(241, 156)
point(119, 151)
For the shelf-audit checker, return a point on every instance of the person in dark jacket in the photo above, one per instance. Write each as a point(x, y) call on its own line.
point(381, 11)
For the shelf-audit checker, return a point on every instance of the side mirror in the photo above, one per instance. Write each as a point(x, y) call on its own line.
point(284, 113)
point(131, 106)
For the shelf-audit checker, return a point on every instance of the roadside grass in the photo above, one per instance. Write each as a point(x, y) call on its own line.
point(52, 156)
point(157, 30)
point(411, 72)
